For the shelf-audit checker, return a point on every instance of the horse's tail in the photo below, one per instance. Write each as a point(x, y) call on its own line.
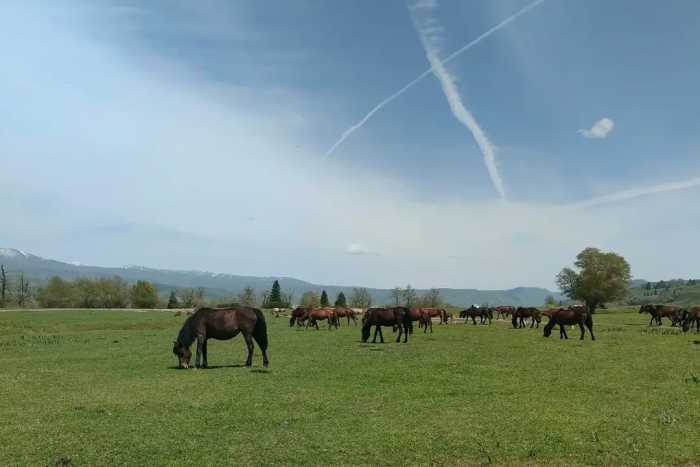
point(260, 330)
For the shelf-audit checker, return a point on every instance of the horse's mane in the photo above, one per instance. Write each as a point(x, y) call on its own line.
point(187, 335)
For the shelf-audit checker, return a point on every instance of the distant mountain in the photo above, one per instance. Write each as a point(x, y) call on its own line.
point(223, 285)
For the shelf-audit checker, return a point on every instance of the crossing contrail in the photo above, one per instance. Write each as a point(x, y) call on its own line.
point(633, 193)
point(427, 72)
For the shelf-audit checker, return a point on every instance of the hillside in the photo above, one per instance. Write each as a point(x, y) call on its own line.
point(219, 285)
point(677, 292)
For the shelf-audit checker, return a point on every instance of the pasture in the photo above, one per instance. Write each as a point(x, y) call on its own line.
point(100, 387)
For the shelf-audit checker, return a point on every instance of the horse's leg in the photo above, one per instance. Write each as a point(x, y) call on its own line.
point(398, 338)
point(381, 336)
point(249, 344)
point(376, 331)
point(204, 354)
point(198, 357)
point(405, 333)
point(583, 329)
point(564, 329)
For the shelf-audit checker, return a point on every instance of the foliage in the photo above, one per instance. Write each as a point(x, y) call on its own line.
point(247, 297)
point(310, 299)
point(324, 299)
point(144, 295)
point(274, 299)
point(340, 301)
point(431, 299)
point(409, 296)
point(360, 298)
point(172, 300)
point(550, 300)
point(601, 277)
point(396, 295)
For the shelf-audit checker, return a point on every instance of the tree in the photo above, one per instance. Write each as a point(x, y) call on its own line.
point(396, 294)
point(310, 299)
point(409, 296)
point(550, 300)
point(56, 294)
point(247, 297)
point(360, 298)
point(601, 277)
point(340, 301)
point(144, 295)
point(172, 300)
point(23, 293)
point(85, 293)
point(431, 299)
point(275, 298)
point(113, 293)
point(3, 285)
point(324, 299)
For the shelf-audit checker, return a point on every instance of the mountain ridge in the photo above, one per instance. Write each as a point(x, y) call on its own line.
point(219, 285)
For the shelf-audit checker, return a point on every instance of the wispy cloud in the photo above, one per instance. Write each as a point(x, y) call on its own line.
point(633, 193)
point(429, 30)
point(358, 249)
point(600, 129)
point(429, 4)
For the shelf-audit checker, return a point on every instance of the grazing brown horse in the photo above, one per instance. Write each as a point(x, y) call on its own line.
point(393, 316)
point(299, 315)
point(569, 316)
point(220, 324)
point(690, 316)
point(522, 313)
point(349, 313)
point(322, 314)
point(502, 312)
point(484, 314)
point(661, 311)
point(417, 314)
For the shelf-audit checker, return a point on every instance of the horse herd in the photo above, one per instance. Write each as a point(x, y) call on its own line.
point(226, 323)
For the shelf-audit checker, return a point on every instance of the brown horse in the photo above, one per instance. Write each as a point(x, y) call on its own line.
point(322, 314)
point(502, 312)
point(657, 312)
point(522, 313)
point(417, 314)
point(483, 313)
point(349, 313)
point(299, 316)
point(436, 313)
point(569, 316)
point(394, 316)
point(690, 316)
point(220, 324)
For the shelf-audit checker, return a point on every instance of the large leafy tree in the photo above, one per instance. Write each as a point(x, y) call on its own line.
point(598, 278)
point(144, 295)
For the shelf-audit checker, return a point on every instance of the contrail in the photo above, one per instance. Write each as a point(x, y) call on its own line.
point(634, 193)
point(455, 101)
point(427, 72)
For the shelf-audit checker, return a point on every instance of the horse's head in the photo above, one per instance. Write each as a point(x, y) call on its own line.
point(644, 309)
point(183, 354)
point(548, 328)
point(366, 327)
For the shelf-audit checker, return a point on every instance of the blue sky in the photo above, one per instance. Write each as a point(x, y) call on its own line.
point(193, 135)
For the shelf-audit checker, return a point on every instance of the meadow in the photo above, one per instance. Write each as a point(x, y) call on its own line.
point(81, 387)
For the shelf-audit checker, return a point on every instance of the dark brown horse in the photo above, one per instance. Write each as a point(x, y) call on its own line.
point(322, 314)
point(521, 314)
point(349, 313)
point(569, 316)
point(220, 324)
point(299, 315)
point(690, 316)
point(394, 316)
point(417, 314)
point(657, 312)
point(504, 311)
point(483, 313)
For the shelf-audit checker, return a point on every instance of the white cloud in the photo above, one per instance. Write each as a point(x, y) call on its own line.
point(358, 249)
point(600, 129)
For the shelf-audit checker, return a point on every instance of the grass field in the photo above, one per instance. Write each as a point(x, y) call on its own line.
point(99, 387)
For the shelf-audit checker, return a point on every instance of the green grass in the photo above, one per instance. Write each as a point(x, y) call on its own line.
point(99, 387)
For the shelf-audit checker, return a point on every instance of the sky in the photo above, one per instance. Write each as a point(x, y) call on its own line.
point(231, 137)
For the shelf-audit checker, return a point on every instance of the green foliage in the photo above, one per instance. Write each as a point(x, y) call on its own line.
point(58, 293)
point(73, 386)
point(310, 299)
point(601, 277)
point(340, 301)
point(247, 297)
point(550, 300)
point(360, 298)
point(275, 299)
point(172, 300)
point(144, 295)
point(409, 296)
point(431, 299)
point(324, 299)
